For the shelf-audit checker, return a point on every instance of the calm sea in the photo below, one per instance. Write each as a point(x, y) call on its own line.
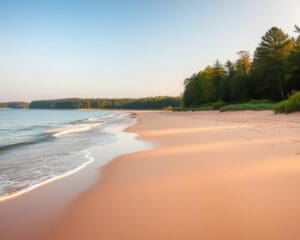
point(37, 146)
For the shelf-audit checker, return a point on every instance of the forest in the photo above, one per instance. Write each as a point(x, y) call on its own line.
point(117, 103)
point(271, 75)
point(255, 82)
point(14, 105)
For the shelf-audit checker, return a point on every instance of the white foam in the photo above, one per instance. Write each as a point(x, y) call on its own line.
point(61, 131)
point(93, 119)
point(69, 129)
point(26, 190)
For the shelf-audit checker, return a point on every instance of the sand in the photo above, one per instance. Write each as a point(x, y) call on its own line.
point(229, 176)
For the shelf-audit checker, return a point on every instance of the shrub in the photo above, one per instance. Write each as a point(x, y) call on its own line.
point(254, 101)
point(247, 106)
point(288, 106)
point(218, 105)
point(168, 108)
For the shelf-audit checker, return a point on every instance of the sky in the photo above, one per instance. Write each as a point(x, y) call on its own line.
point(134, 48)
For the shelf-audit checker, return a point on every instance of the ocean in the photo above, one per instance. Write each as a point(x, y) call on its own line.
point(39, 146)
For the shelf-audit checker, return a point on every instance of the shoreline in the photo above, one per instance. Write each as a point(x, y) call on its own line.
point(207, 176)
point(212, 176)
point(58, 193)
point(69, 173)
point(45, 183)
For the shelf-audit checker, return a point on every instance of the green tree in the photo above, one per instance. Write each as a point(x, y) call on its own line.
point(192, 91)
point(230, 69)
point(243, 64)
point(292, 76)
point(269, 63)
point(207, 85)
point(219, 74)
point(226, 84)
point(292, 70)
point(239, 87)
point(273, 74)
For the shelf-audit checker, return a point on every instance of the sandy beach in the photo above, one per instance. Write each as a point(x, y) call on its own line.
point(211, 176)
point(150, 120)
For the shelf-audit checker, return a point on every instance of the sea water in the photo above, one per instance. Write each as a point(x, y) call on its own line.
point(37, 146)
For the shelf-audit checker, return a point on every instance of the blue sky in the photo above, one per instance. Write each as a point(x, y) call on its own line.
point(55, 49)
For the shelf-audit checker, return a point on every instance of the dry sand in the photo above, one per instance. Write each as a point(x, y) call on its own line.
point(227, 176)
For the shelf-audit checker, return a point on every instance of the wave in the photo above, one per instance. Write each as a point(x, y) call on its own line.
point(93, 119)
point(75, 128)
point(72, 127)
point(43, 152)
point(26, 190)
point(31, 128)
point(41, 138)
point(23, 129)
point(15, 145)
point(62, 157)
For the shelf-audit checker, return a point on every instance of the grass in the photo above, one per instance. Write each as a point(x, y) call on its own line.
point(203, 107)
point(168, 108)
point(255, 105)
point(292, 104)
point(248, 106)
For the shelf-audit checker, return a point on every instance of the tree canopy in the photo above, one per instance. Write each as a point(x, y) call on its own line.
point(117, 103)
point(14, 105)
point(273, 73)
point(269, 63)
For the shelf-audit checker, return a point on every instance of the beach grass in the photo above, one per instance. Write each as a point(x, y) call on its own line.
point(248, 106)
point(255, 105)
point(292, 104)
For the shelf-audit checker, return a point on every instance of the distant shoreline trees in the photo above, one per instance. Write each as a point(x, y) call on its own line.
point(14, 105)
point(102, 103)
point(274, 73)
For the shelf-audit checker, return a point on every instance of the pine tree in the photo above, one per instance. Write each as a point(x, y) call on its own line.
point(219, 74)
point(230, 68)
point(192, 92)
point(269, 63)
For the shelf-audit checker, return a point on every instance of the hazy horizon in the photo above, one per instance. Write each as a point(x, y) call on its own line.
point(95, 49)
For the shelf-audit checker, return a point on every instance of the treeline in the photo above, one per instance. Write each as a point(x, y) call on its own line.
point(121, 103)
point(14, 105)
point(273, 73)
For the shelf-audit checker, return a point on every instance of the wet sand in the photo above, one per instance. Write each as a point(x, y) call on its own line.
point(227, 176)
point(32, 214)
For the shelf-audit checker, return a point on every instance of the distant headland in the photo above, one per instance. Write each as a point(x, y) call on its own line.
point(14, 105)
point(164, 102)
